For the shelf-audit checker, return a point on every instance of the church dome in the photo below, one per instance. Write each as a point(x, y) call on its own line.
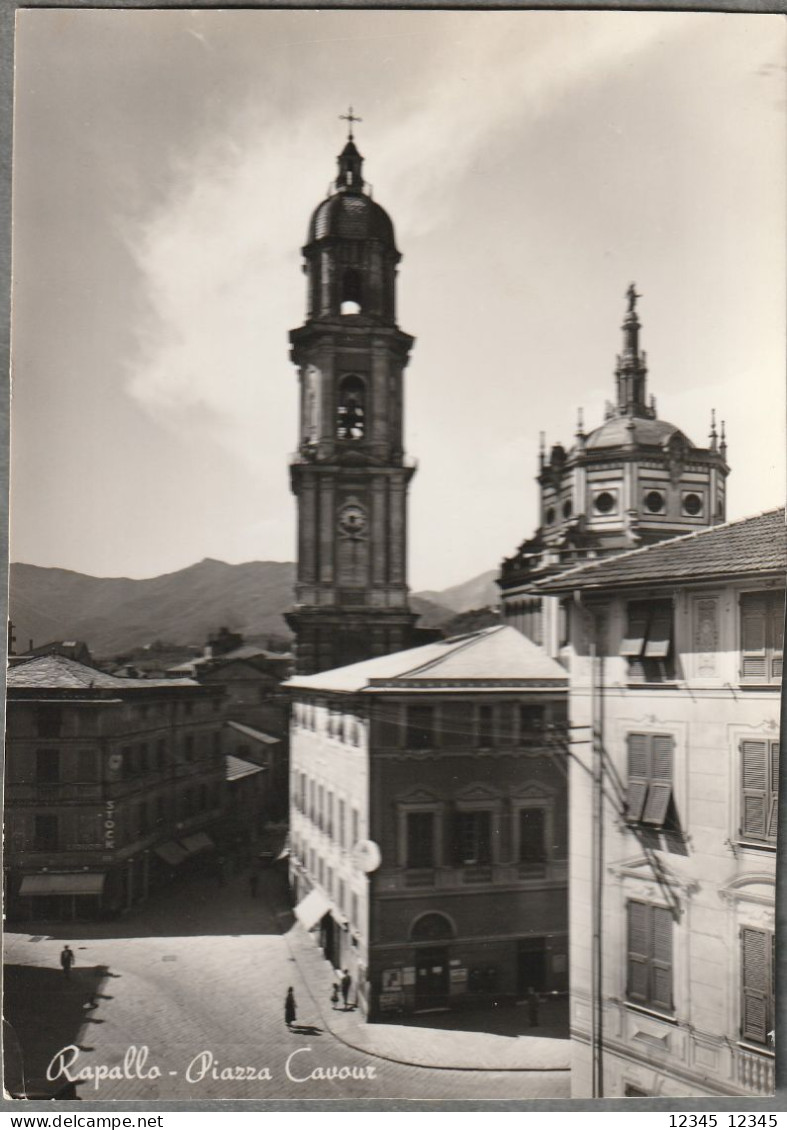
point(617, 432)
point(351, 215)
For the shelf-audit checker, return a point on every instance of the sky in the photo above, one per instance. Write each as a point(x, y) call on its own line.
point(166, 164)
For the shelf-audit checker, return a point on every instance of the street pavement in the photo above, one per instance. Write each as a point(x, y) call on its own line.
point(183, 998)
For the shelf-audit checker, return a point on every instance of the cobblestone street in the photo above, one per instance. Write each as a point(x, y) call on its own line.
point(198, 977)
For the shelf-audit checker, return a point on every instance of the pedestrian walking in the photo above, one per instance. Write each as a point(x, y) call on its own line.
point(346, 983)
point(533, 1002)
point(67, 959)
point(289, 1008)
point(334, 995)
point(253, 884)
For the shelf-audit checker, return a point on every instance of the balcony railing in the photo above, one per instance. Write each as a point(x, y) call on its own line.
point(755, 1070)
point(401, 878)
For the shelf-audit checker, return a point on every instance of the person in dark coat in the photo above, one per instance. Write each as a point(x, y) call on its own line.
point(533, 1001)
point(67, 959)
point(346, 983)
point(289, 1008)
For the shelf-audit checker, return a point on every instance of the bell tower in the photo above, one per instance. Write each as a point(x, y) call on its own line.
point(349, 474)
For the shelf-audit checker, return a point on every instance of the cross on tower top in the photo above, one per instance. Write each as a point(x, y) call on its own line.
point(349, 117)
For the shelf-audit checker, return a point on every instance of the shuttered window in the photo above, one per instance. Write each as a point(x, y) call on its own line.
point(472, 838)
point(650, 778)
point(649, 965)
point(759, 790)
point(420, 727)
point(420, 839)
point(762, 636)
point(647, 643)
point(757, 985)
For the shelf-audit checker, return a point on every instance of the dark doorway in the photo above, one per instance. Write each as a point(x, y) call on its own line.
point(531, 966)
point(431, 979)
point(330, 941)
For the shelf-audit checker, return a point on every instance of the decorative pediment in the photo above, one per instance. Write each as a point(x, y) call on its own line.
point(533, 790)
point(662, 882)
point(759, 888)
point(478, 792)
point(418, 795)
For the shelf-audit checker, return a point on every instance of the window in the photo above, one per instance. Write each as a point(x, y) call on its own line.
point(760, 790)
point(329, 813)
point(356, 827)
point(420, 840)
point(649, 955)
point(143, 759)
point(47, 766)
point(49, 721)
point(757, 985)
point(342, 820)
point(472, 839)
point(762, 636)
point(650, 778)
point(648, 641)
point(87, 829)
point(531, 718)
point(457, 724)
point(46, 832)
point(532, 838)
point(86, 765)
point(486, 728)
point(419, 727)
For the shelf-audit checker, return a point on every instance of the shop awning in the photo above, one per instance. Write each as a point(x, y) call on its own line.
point(200, 841)
point(171, 853)
point(71, 883)
point(310, 910)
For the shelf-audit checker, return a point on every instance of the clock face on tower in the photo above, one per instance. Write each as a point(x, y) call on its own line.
point(352, 520)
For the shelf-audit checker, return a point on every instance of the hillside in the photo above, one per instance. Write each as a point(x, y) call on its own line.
point(478, 592)
point(116, 614)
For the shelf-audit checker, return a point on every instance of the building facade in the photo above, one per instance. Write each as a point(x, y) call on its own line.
point(349, 474)
point(428, 822)
point(675, 659)
point(630, 482)
point(110, 785)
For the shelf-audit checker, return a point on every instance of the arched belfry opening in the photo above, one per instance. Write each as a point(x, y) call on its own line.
point(351, 408)
point(352, 292)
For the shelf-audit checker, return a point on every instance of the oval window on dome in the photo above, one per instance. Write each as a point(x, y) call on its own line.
point(605, 502)
point(692, 504)
point(655, 501)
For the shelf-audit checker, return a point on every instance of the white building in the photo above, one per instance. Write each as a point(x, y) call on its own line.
point(675, 658)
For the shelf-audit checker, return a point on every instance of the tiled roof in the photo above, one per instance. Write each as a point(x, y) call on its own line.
point(255, 735)
point(748, 546)
point(238, 768)
point(56, 672)
point(498, 655)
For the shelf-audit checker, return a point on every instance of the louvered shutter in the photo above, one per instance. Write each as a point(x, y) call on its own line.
point(754, 761)
point(661, 957)
point(755, 977)
point(638, 951)
point(776, 626)
point(638, 774)
point(659, 639)
point(660, 790)
point(754, 656)
point(773, 814)
point(636, 629)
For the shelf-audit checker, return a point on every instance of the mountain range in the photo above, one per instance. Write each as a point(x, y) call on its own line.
point(114, 615)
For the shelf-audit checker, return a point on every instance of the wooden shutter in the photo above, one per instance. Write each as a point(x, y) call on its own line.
point(773, 814)
point(776, 634)
point(661, 957)
point(638, 774)
point(756, 990)
point(636, 629)
point(661, 773)
point(754, 763)
point(754, 655)
point(638, 951)
point(659, 641)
